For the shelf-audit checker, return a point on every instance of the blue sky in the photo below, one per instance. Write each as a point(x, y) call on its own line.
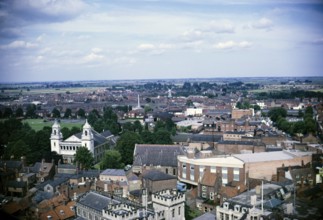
point(62, 40)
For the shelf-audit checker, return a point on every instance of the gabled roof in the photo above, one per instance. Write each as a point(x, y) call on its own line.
point(157, 155)
point(156, 175)
point(96, 201)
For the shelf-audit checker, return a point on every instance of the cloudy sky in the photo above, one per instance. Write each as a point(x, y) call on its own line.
point(55, 40)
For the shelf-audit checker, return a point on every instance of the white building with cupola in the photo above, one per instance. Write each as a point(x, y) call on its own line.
point(95, 142)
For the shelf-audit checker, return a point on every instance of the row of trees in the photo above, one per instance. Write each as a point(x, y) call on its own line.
point(306, 126)
point(289, 95)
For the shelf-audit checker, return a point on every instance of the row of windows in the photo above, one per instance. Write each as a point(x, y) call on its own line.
point(224, 171)
point(70, 147)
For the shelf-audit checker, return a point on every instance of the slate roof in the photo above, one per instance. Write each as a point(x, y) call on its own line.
point(53, 183)
point(106, 133)
point(205, 138)
point(97, 137)
point(237, 142)
point(113, 172)
point(37, 166)
point(96, 201)
point(162, 155)
point(182, 137)
point(156, 175)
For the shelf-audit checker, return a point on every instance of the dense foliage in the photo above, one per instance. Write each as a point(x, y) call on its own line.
point(84, 158)
point(19, 139)
point(305, 126)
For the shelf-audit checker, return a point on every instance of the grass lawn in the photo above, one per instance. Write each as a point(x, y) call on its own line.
point(38, 124)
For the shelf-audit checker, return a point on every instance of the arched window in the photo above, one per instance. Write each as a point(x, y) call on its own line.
point(85, 133)
point(54, 132)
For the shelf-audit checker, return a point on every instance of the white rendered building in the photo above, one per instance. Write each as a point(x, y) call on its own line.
point(95, 142)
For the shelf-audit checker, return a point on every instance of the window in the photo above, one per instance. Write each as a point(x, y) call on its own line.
point(179, 210)
point(85, 133)
point(54, 132)
point(236, 174)
point(192, 172)
point(204, 188)
point(224, 175)
point(211, 195)
point(184, 166)
point(173, 213)
point(174, 172)
point(203, 195)
point(201, 169)
point(54, 144)
point(166, 170)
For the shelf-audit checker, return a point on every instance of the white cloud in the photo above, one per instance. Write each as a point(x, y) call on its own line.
point(19, 44)
point(93, 57)
point(226, 45)
point(144, 47)
point(263, 23)
point(96, 50)
point(155, 49)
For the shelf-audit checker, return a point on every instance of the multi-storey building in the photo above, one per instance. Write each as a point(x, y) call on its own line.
point(167, 204)
point(192, 168)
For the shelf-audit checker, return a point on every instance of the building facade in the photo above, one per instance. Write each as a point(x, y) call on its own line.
point(95, 142)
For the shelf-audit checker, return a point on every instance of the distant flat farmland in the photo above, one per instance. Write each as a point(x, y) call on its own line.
point(53, 90)
point(38, 124)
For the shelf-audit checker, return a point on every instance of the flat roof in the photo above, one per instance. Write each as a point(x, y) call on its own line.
point(221, 161)
point(270, 156)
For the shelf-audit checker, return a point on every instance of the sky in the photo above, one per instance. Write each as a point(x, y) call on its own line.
point(73, 40)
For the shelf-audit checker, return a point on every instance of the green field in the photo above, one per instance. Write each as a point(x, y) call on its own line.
point(38, 124)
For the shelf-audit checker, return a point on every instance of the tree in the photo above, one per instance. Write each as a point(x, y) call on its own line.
point(68, 113)
point(128, 126)
point(111, 159)
point(31, 111)
point(162, 137)
point(56, 113)
point(92, 118)
point(7, 112)
point(81, 113)
point(84, 157)
point(19, 112)
point(137, 126)
point(147, 137)
point(256, 108)
point(126, 144)
point(277, 112)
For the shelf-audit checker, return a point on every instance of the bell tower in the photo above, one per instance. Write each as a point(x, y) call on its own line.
point(87, 137)
point(56, 137)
